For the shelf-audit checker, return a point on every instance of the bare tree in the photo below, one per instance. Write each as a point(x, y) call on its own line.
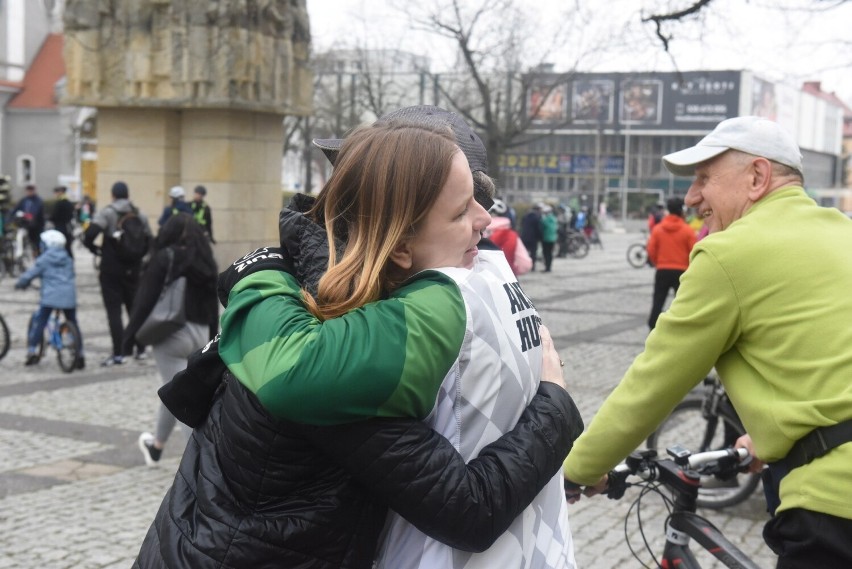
point(500, 55)
point(678, 23)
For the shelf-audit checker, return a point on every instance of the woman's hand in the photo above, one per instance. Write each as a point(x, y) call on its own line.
point(551, 366)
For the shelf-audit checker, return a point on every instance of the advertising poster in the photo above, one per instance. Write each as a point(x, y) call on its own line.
point(764, 103)
point(592, 101)
point(641, 101)
point(546, 103)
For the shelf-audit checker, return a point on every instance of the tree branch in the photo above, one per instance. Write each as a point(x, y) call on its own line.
point(658, 19)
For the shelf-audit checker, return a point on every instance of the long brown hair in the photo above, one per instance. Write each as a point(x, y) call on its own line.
point(386, 179)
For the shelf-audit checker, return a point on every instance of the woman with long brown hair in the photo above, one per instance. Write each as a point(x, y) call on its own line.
point(335, 360)
point(181, 249)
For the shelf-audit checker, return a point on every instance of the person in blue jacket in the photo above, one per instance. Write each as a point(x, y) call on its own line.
point(178, 196)
point(55, 267)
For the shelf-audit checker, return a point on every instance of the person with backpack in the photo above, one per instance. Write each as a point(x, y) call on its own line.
point(181, 249)
point(126, 240)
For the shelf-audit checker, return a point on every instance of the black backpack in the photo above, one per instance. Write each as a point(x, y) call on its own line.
point(132, 238)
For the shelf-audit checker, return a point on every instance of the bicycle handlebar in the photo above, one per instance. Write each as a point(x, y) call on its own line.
point(645, 464)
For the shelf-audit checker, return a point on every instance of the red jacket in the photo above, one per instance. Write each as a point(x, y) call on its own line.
point(670, 243)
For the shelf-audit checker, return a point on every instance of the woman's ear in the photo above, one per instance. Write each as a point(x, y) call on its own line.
point(402, 255)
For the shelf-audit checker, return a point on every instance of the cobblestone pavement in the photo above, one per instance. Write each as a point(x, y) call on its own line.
point(75, 492)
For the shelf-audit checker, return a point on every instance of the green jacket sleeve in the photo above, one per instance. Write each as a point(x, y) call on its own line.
point(385, 359)
point(702, 322)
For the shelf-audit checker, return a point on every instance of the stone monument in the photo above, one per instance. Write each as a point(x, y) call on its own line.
point(193, 92)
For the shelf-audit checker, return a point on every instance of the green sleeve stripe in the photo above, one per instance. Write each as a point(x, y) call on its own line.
point(386, 359)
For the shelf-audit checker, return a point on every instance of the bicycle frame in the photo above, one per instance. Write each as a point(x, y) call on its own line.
point(52, 327)
point(684, 524)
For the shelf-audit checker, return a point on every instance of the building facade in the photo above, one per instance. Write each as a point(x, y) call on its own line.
point(36, 133)
point(599, 137)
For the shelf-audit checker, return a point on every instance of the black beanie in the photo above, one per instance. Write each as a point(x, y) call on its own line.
point(119, 190)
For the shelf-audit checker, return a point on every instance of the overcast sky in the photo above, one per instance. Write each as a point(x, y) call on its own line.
point(788, 46)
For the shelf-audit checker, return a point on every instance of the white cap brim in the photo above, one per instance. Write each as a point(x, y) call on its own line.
point(683, 162)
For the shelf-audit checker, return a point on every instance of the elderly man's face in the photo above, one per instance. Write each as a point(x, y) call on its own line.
point(720, 190)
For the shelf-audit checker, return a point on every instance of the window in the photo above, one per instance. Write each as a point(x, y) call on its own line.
point(26, 170)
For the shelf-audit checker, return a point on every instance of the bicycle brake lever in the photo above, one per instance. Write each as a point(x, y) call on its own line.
point(616, 485)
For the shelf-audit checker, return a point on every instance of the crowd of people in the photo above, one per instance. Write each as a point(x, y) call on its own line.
point(380, 392)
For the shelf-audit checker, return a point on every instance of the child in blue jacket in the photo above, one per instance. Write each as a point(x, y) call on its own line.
point(58, 290)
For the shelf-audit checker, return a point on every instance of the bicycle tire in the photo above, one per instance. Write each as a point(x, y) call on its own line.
point(68, 350)
point(5, 338)
point(637, 255)
point(5, 259)
point(579, 247)
point(687, 426)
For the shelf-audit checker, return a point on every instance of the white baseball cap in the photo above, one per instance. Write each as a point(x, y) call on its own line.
point(177, 192)
point(752, 135)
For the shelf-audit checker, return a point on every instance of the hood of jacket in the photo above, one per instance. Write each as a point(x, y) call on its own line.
point(122, 205)
point(55, 257)
point(672, 223)
point(304, 242)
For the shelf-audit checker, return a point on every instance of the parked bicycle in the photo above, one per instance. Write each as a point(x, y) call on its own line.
point(637, 253)
point(682, 475)
point(704, 422)
point(5, 338)
point(576, 244)
point(16, 253)
point(64, 336)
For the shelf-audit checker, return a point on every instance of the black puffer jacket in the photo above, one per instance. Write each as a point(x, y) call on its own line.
point(254, 491)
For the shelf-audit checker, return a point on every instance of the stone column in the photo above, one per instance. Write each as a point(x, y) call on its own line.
point(193, 92)
point(236, 155)
point(141, 147)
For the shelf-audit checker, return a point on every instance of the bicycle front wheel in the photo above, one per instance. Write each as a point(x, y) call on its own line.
point(578, 246)
point(69, 347)
point(637, 255)
point(688, 426)
point(5, 338)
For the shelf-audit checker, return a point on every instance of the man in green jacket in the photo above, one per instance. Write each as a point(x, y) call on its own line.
point(766, 300)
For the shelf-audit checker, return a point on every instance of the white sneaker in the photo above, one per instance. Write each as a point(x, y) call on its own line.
point(146, 445)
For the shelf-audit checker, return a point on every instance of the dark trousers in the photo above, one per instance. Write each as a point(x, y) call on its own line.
point(532, 248)
point(40, 319)
point(809, 540)
point(547, 253)
point(117, 290)
point(69, 240)
point(34, 235)
point(664, 280)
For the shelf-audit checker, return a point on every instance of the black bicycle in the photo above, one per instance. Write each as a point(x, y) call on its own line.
point(5, 338)
point(64, 336)
point(577, 244)
point(682, 476)
point(703, 422)
point(637, 254)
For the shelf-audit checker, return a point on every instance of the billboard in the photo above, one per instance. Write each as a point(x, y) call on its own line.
point(694, 100)
point(519, 163)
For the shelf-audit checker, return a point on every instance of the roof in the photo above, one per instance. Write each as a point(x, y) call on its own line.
point(39, 83)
